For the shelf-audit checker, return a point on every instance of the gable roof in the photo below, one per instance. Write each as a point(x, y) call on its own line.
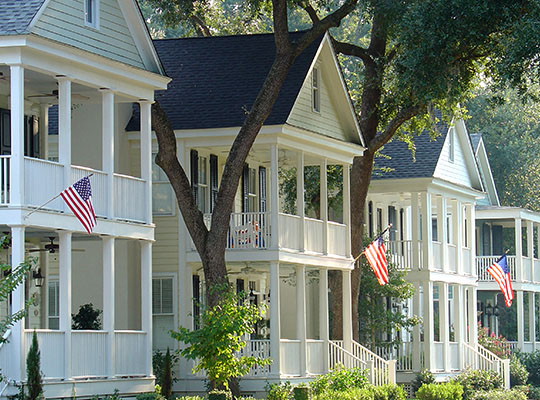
point(475, 140)
point(17, 15)
point(215, 80)
point(482, 160)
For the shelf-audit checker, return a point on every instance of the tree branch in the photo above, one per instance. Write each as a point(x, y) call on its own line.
point(349, 49)
point(311, 12)
point(199, 25)
point(402, 116)
point(281, 26)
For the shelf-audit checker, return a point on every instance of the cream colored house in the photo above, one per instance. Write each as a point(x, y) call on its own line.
point(93, 60)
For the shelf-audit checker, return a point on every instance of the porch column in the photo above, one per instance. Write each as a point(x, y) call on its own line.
point(146, 154)
point(428, 325)
point(108, 301)
point(532, 322)
point(519, 250)
point(324, 203)
point(146, 301)
point(427, 236)
point(347, 208)
point(520, 317)
point(472, 313)
point(457, 220)
point(107, 154)
point(64, 128)
point(17, 304)
point(300, 201)
point(274, 196)
point(301, 330)
point(384, 216)
point(324, 328)
point(444, 324)
point(459, 322)
point(65, 297)
point(347, 310)
point(44, 131)
point(275, 323)
point(530, 247)
point(472, 242)
point(16, 170)
point(442, 231)
point(416, 339)
point(415, 247)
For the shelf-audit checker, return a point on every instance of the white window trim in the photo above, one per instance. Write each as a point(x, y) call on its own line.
point(173, 196)
point(452, 145)
point(206, 185)
point(51, 278)
point(95, 23)
point(316, 90)
point(174, 277)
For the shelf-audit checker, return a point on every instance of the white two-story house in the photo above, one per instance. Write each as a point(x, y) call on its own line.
point(92, 60)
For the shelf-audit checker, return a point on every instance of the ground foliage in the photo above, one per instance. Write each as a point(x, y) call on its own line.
point(33, 371)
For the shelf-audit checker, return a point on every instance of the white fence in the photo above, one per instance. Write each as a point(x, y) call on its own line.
point(130, 353)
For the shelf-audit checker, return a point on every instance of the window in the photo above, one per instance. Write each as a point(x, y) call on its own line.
point(202, 188)
point(203, 193)
point(91, 13)
point(162, 193)
point(451, 145)
point(315, 89)
point(249, 189)
point(53, 304)
point(163, 312)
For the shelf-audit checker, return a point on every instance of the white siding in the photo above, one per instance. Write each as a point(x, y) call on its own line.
point(63, 21)
point(165, 248)
point(456, 171)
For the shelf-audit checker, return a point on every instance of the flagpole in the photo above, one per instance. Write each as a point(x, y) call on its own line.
point(380, 234)
point(48, 201)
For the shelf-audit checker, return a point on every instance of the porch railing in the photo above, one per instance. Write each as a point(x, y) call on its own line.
point(129, 198)
point(401, 352)
point(478, 357)
point(259, 349)
point(89, 354)
point(129, 361)
point(4, 180)
point(340, 357)
point(484, 262)
point(7, 363)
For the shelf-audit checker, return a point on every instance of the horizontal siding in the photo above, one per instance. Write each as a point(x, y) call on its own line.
point(165, 248)
point(326, 122)
point(457, 171)
point(63, 21)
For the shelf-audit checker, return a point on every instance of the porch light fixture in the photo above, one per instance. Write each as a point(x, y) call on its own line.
point(496, 311)
point(489, 310)
point(38, 278)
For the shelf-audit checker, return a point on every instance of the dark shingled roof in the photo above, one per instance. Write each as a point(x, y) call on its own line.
point(475, 140)
point(402, 163)
point(216, 79)
point(16, 15)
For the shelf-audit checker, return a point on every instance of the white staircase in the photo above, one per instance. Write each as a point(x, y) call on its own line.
point(478, 357)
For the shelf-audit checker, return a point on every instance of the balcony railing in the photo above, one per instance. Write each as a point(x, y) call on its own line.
point(44, 180)
point(484, 262)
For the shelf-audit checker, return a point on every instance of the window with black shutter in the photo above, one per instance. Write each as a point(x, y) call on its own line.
point(245, 189)
point(194, 156)
point(213, 181)
point(262, 189)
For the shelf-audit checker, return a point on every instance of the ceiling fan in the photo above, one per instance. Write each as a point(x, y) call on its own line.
point(51, 247)
point(54, 96)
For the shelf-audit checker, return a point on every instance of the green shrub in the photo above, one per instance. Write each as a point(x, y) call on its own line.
point(301, 392)
point(277, 391)
point(387, 392)
point(440, 391)
point(518, 372)
point(339, 380)
point(149, 396)
point(500, 394)
point(190, 398)
point(220, 395)
point(33, 371)
point(532, 363)
point(349, 394)
point(86, 318)
point(534, 393)
point(421, 378)
point(477, 380)
point(498, 345)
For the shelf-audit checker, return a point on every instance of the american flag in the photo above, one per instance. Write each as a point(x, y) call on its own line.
point(78, 197)
point(376, 256)
point(500, 272)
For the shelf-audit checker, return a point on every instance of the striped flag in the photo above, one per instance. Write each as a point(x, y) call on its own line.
point(500, 272)
point(78, 197)
point(376, 256)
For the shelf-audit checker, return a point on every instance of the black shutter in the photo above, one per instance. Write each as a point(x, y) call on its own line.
point(392, 220)
point(196, 300)
point(245, 188)
point(370, 218)
point(239, 286)
point(496, 231)
point(486, 240)
point(262, 189)
point(5, 132)
point(213, 181)
point(194, 155)
point(35, 137)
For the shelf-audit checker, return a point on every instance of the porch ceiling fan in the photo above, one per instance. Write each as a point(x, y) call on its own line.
point(51, 247)
point(54, 96)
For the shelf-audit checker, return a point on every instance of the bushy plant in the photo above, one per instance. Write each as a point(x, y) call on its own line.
point(349, 394)
point(440, 391)
point(190, 398)
point(219, 395)
point(339, 380)
point(518, 372)
point(301, 392)
point(86, 318)
point(158, 363)
point(531, 361)
point(150, 396)
point(498, 345)
point(422, 377)
point(534, 393)
point(33, 371)
point(500, 394)
point(388, 392)
point(477, 380)
point(279, 391)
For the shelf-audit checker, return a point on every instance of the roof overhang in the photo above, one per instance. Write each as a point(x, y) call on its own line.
point(492, 212)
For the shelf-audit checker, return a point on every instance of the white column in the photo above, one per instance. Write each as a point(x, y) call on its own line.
point(428, 325)
point(472, 232)
point(301, 330)
point(520, 319)
point(108, 301)
point(442, 231)
point(275, 323)
point(444, 324)
point(457, 220)
point(519, 250)
point(530, 248)
point(324, 328)
point(384, 216)
point(459, 322)
point(107, 154)
point(16, 171)
point(417, 262)
point(532, 317)
point(146, 154)
point(274, 196)
point(427, 228)
point(324, 204)
point(65, 297)
point(17, 304)
point(472, 311)
point(300, 201)
point(44, 131)
point(347, 310)
point(416, 338)
point(146, 301)
point(347, 208)
point(64, 127)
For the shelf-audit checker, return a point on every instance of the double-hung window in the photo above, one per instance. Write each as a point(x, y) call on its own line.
point(163, 201)
point(53, 306)
point(163, 312)
point(315, 90)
